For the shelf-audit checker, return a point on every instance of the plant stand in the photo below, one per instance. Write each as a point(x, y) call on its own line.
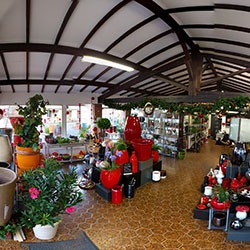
point(211, 214)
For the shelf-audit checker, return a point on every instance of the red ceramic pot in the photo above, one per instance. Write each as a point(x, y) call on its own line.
point(132, 128)
point(155, 155)
point(122, 157)
point(110, 178)
point(142, 148)
point(220, 205)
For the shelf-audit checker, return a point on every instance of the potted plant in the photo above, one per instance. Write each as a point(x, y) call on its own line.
point(27, 150)
point(49, 192)
point(121, 152)
point(155, 152)
point(221, 198)
point(103, 124)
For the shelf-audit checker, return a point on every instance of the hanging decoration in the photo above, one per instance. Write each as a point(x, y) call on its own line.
point(221, 106)
point(149, 108)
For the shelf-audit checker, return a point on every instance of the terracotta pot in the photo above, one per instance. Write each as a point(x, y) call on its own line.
point(132, 128)
point(124, 158)
point(155, 155)
point(142, 148)
point(220, 205)
point(110, 178)
point(26, 158)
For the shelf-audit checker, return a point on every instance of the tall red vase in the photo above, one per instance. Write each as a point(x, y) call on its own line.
point(132, 128)
point(110, 178)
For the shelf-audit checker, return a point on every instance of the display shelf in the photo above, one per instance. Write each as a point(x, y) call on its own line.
point(163, 128)
point(73, 148)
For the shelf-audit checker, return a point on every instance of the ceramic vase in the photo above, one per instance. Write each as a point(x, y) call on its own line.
point(6, 149)
point(132, 128)
point(241, 215)
point(46, 232)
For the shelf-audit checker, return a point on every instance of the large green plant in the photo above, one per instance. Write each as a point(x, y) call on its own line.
point(32, 112)
point(49, 192)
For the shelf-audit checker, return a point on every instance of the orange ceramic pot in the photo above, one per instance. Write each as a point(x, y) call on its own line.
point(27, 158)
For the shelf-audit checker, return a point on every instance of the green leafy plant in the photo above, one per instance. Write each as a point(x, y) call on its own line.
point(156, 147)
point(50, 191)
point(32, 112)
point(221, 193)
point(84, 132)
point(103, 123)
point(120, 144)
point(8, 229)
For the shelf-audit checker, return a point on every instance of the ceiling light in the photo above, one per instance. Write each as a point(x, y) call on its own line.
point(100, 61)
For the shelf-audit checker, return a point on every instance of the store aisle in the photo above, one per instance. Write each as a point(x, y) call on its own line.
point(160, 216)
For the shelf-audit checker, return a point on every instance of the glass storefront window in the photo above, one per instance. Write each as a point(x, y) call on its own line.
point(77, 117)
point(52, 121)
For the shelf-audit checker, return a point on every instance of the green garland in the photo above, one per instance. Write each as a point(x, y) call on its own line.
point(222, 105)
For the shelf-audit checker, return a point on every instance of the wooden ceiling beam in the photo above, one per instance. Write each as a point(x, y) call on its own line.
point(225, 76)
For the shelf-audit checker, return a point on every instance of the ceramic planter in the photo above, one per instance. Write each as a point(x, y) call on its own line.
point(46, 232)
point(142, 148)
point(7, 192)
point(124, 158)
point(155, 155)
point(220, 205)
point(27, 158)
point(110, 178)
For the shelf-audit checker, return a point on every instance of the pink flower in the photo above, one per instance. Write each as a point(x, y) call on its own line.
point(42, 165)
point(34, 192)
point(70, 210)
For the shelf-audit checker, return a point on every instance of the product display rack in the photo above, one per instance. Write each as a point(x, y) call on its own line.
point(72, 148)
point(163, 128)
point(196, 132)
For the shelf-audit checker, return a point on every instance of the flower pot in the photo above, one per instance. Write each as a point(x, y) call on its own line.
point(181, 155)
point(110, 178)
point(7, 191)
point(27, 158)
point(123, 158)
point(155, 155)
point(46, 232)
point(132, 128)
point(142, 148)
point(220, 205)
point(6, 149)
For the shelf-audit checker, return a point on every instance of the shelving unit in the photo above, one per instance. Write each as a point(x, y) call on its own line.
point(65, 148)
point(163, 128)
point(196, 132)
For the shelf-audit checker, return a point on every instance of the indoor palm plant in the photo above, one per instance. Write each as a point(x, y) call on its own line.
point(27, 150)
point(49, 192)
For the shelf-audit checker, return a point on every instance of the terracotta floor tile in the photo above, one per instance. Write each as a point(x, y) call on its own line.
point(160, 216)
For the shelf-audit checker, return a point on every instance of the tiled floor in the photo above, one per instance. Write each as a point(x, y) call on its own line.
point(160, 216)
